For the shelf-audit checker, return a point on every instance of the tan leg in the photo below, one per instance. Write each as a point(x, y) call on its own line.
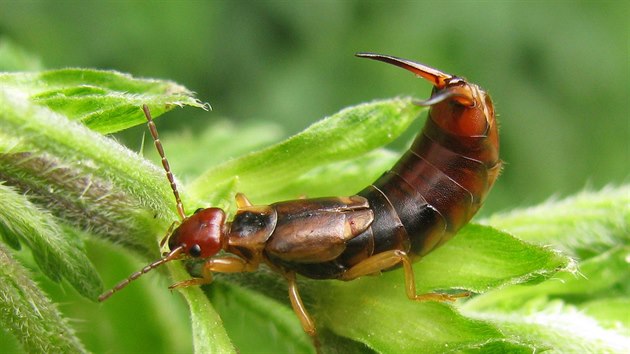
point(298, 307)
point(388, 259)
point(219, 265)
point(242, 201)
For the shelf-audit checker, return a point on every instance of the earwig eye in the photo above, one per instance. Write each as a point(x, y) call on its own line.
point(198, 210)
point(195, 251)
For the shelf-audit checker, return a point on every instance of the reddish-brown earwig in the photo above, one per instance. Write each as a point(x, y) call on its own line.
point(431, 192)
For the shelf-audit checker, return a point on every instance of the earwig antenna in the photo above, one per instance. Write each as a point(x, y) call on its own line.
point(173, 254)
point(168, 234)
point(169, 257)
point(167, 167)
point(438, 78)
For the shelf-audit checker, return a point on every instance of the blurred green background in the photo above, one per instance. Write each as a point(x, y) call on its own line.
point(558, 71)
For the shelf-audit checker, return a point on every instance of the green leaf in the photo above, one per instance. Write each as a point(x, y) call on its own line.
point(340, 178)
point(388, 328)
point(245, 311)
point(29, 315)
point(191, 153)
point(208, 333)
point(479, 258)
point(610, 312)
point(87, 180)
point(583, 225)
point(345, 135)
point(105, 101)
point(80, 176)
point(558, 327)
point(56, 254)
point(599, 276)
point(571, 312)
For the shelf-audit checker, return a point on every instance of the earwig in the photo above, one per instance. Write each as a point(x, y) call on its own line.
point(427, 196)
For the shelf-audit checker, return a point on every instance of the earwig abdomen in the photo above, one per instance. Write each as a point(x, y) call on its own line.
point(434, 189)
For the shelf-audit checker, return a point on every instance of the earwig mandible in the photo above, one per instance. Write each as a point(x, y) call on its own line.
point(428, 195)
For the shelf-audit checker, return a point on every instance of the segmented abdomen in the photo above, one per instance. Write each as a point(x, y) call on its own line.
point(432, 191)
point(429, 194)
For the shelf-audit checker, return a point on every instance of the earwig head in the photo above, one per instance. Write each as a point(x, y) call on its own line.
point(201, 235)
point(458, 107)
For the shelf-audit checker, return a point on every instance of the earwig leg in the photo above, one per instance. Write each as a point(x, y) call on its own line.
point(388, 259)
point(298, 307)
point(218, 265)
point(206, 279)
point(242, 201)
point(229, 265)
point(191, 282)
point(374, 264)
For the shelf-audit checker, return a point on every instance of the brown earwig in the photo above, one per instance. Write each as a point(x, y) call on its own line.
point(429, 194)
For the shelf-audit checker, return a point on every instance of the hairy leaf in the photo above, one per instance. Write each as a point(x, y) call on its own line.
point(56, 254)
point(29, 315)
point(88, 181)
point(105, 101)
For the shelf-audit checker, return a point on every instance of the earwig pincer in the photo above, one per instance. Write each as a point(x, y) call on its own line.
point(427, 196)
